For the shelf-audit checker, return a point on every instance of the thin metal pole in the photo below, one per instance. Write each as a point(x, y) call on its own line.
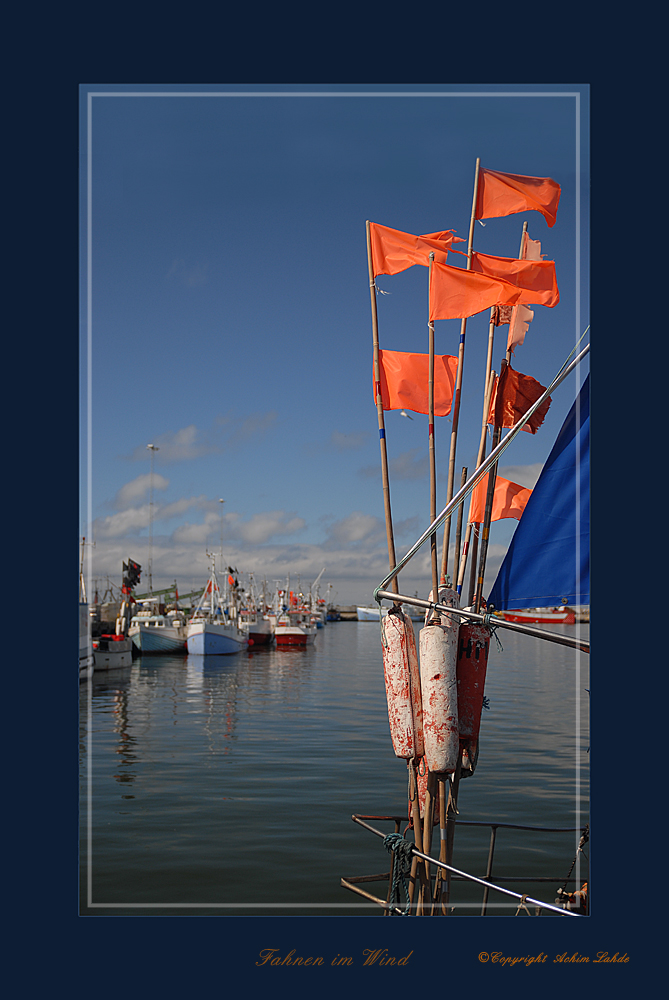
point(379, 409)
point(488, 871)
point(455, 409)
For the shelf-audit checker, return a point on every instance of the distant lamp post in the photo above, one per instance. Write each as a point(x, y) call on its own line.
point(221, 503)
point(153, 448)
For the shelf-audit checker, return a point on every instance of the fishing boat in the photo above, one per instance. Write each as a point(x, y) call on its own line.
point(111, 652)
point(370, 613)
point(565, 616)
point(211, 631)
point(86, 659)
point(435, 686)
point(152, 631)
point(295, 627)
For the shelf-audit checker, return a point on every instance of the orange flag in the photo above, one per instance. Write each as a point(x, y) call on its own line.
point(393, 251)
point(505, 194)
point(404, 381)
point(519, 324)
point(509, 500)
point(512, 397)
point(456, 293)
point(537, 276)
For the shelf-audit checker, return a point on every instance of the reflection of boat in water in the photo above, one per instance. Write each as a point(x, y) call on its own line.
point(153, 632)
point(210, 631)
point(566, 616)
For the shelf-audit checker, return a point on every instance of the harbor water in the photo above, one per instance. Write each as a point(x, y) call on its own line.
point(225, 785)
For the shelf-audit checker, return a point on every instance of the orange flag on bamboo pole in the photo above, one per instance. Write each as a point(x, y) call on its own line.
point(456, 293)
point(505, 194)
point(393, 251)
point(509, 500)
point(537, 276)
point(512, 397)
point(404, 381)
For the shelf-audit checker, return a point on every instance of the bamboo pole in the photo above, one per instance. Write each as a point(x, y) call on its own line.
point(455, 409)
point(430, 427)
point(479, 459)
point(428, 821)
point(379, 409)
point(458, 530)
point(485, 531)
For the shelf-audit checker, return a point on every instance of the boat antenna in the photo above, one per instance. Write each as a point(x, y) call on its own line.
point(153, 448)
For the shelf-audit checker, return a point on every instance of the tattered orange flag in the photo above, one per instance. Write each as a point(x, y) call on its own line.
point(512, 397)
point(509, 500)
point(536, 276)
point(404, 381)
point(393, 251)
point(456, 293)
point(519, 324)
point(505, 194)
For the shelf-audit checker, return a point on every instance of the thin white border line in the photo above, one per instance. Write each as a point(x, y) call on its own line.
point(332, 93)
point(89, 408)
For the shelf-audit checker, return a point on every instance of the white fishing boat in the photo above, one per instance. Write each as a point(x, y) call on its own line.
point(211, 632)
point(86, 659)
point(370, 613)
point(154, 632)
point(564, 616)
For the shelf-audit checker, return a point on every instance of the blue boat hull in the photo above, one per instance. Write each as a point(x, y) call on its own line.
point(213, 641)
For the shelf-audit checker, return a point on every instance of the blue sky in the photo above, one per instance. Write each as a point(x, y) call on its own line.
point(230, 316)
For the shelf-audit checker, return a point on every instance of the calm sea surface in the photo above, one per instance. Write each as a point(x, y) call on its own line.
point(225, 785)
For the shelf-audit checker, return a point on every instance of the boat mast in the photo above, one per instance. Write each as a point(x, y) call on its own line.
point(153, 449)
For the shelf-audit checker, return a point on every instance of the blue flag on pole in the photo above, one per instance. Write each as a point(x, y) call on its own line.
point(548, 560)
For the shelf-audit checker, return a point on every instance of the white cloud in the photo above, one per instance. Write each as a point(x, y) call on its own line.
point(349, 442)
point(138, 488)
point(191, 442)
point(524, 475)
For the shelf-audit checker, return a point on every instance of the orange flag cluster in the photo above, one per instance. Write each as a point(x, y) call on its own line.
point(457, 293)
point(404, 381)
point(512, 397)
point(509, 500)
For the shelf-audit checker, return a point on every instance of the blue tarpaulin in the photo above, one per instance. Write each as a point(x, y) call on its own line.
point(548, 560)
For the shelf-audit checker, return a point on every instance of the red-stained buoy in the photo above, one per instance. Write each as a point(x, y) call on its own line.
point(438, 645)
point(472, 662)
point(402, 677)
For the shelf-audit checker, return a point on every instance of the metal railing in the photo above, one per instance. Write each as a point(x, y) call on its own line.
point(351, 882)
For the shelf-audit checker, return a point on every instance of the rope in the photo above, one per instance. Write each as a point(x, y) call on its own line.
point(522, 906)
point(585, 837)
point(402, 851)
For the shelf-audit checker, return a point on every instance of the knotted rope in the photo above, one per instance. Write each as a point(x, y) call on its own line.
point(402, 851)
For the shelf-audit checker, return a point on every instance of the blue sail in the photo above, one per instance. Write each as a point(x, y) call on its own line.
point(548, 560)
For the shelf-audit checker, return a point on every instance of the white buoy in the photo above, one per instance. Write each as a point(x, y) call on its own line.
point(402, 677)
point(438, 657)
